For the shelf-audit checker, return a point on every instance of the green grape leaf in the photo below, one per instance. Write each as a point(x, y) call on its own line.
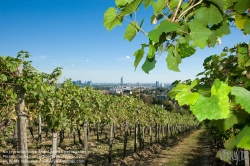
point(207, 60)
point(241, 6)
point(185, 50)
point(184, 5)
point(208, 108)
point(138, 56)
point(240, 21)
point(129, 1)
point(230, 144)
point(221, 90)
point(221, 31)
point(165, 26)
point(182, 40)
point(3, 78)
point(243, 138)
point(120, 2)
point(199, 34)
point(154, 35)
point(247, 27)
point(158, 6)
point(147, 3)
point(223, 4)
point(224, 124)
point(173, 60)
point(194, 83)
point(148, 65)
point(187, 98)
point(178, 88)
point(242, 97)
point(205, 92)
point(131, 31)
point(130, 7)
point(224, 29)
point(173, 4)
point(242, 56)
point(151, 52)
point(182, 30)
point(111, 19)
point(208, 15)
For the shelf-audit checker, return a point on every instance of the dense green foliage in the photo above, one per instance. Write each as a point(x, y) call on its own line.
point(222, 96)
point(180, 26)
point(67, 106)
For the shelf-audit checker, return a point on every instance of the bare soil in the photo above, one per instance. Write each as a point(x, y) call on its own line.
point(189, 149)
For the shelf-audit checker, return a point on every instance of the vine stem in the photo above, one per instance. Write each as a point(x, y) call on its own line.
point(136, 26)
point(176, 11)
point(182, 14)
point(184, 32)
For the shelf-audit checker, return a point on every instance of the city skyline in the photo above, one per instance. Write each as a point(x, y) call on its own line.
point(67, 34)
point(121, 82)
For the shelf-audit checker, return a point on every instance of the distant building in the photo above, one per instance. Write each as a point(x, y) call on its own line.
point(127, 92)
point(115, 92)
point(122, 80)
point(89, 82)
point(78, 82)
point(157, 83)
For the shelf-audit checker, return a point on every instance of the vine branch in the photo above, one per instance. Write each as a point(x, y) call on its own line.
point(136, 26)
point(182, 14)
point(176, 11)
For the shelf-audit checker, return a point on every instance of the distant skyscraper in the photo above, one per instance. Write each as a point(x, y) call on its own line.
point(89, 82)
point(78, 82)
point(157, 83)
point(122, 80)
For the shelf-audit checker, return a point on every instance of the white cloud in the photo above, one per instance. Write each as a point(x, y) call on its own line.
point(127, 57)
point(87, 60)
point(73, 65)
point(43, 56)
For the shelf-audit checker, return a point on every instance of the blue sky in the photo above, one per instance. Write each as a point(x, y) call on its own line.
point(70, 34)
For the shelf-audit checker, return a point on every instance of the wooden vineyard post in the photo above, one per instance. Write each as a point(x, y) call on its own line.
point(21, 124)
point(111, 142)
point(86, 141)
point(135, 138)
point(125, 138)
point(79, 134)
point(15, 140)
point(150, 135)
point(97, 131)
point(143, 137)
point(40, 129)
point(246, 157)
point(54, 148)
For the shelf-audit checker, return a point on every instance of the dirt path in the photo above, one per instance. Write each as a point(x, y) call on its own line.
point(193, 150)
